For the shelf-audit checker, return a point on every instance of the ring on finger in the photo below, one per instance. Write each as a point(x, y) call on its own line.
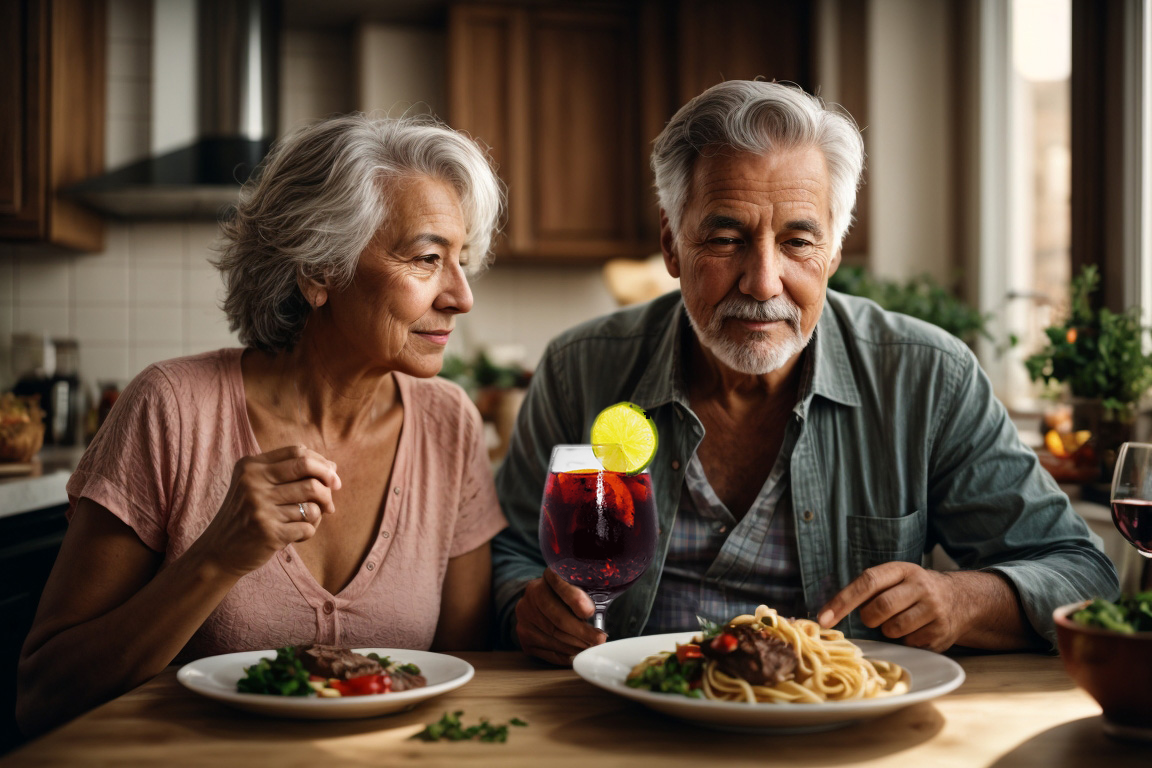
point(303, 512)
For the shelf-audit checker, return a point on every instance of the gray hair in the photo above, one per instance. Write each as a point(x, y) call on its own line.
point(320, 196)
point(757, 116)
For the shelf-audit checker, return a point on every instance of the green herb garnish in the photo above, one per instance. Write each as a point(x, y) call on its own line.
point(283, 676)
point(670, 677)
point(1127, 615)
point(450, 728)
point(386, 662)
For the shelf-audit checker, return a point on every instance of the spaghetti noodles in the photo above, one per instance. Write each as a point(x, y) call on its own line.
point(827, 667)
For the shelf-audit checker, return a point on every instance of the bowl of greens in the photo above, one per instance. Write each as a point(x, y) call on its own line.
point(1107, 649)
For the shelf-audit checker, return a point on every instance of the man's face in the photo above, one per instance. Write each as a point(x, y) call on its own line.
point(754, 254)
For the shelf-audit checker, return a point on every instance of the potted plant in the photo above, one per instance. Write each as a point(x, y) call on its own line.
point(1099, 356)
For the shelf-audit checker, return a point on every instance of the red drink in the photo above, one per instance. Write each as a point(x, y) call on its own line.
point(598, 528)
point(1133, 518)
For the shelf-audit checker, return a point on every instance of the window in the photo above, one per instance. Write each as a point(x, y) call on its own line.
point(1038, 263)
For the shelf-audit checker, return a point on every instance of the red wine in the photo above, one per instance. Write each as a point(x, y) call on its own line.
point(598, 529)
point(1133, 518)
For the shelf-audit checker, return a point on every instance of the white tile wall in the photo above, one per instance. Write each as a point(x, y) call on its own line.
point(152, 294)
point(149, 296)
point(127, 137)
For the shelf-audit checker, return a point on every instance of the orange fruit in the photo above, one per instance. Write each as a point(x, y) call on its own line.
point(1055, 444)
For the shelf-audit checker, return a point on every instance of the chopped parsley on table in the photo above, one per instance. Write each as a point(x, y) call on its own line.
point(450, 728)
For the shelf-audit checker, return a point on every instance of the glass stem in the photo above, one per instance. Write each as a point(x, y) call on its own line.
point(598, 616)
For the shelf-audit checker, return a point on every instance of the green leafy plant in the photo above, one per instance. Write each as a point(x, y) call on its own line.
point(481, 372)
point(921, 297)
point(1097, 353)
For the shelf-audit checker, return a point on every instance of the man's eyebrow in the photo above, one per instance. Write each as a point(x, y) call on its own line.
point(806, 225)
point(720, 221)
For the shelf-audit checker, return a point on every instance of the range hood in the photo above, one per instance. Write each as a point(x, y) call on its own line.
point(235, 48)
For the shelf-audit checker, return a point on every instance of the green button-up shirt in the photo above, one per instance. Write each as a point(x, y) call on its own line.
point(902, 446)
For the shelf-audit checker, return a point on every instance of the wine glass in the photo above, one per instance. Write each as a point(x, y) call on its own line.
point(597, 528)
point(1132, 495)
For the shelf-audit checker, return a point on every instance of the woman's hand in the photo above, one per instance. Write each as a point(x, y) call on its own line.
point(262, 514)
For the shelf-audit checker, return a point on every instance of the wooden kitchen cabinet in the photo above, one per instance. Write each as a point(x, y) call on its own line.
point(742, 40)
point(560, 95)
point(569, 96)
point(52, 89)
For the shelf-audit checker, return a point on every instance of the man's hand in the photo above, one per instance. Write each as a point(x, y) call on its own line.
point(905, 601)
point(548, 622)
point(935, 609)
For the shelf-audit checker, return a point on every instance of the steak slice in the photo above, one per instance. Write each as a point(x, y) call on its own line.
point(406, 681)
point(332, 661)
point(758, 658)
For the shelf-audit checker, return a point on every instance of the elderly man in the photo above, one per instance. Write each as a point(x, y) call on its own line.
point(812, 446)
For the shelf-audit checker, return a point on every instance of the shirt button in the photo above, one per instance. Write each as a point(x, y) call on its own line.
point(287, 558)
point(384, 534)
point(396, 490)
point(675, 464)
point(329, 607)
point(808, 515)
point(371, 566)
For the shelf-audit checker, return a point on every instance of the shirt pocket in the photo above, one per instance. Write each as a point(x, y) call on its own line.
point(876, 540)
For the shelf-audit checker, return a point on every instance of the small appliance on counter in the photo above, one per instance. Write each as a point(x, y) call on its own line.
point(54, 378)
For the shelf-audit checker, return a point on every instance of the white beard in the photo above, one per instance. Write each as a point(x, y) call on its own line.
point(757, 354)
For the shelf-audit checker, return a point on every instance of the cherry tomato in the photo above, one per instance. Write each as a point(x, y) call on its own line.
point(363, 685)
point(725, 643)
point(688, 651)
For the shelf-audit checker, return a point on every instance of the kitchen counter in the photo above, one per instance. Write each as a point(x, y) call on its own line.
point(44, 487)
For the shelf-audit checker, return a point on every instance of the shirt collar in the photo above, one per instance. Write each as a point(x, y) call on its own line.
point(663, 381)
point(832, 376)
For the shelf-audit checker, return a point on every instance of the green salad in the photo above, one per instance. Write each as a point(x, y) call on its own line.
point(282, 676)
point(1128, 614)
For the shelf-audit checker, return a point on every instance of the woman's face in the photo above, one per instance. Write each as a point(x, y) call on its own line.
point(409, 286)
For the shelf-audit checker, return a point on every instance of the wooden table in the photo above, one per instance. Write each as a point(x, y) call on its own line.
point(1013, 710)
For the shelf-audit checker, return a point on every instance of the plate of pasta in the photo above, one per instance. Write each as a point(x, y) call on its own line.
point(764, 672)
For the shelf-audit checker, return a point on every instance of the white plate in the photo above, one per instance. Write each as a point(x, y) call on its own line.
point(608, 665)
point(216, 677)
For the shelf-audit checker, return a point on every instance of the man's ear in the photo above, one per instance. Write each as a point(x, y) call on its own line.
point(835, 263)
point(668, 246)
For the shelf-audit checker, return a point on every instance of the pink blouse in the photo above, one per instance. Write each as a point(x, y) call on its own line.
point(163, 461)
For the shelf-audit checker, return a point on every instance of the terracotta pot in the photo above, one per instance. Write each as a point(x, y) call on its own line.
point(1115, 668)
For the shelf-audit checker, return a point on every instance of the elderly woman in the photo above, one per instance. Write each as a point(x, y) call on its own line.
point(319, 485)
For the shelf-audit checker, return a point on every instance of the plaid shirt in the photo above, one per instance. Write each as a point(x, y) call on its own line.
point(717, 566)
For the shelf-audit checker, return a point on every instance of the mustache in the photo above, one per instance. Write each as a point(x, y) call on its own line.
point(778, 309)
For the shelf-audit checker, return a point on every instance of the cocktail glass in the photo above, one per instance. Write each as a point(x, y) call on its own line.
point(597, 528)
